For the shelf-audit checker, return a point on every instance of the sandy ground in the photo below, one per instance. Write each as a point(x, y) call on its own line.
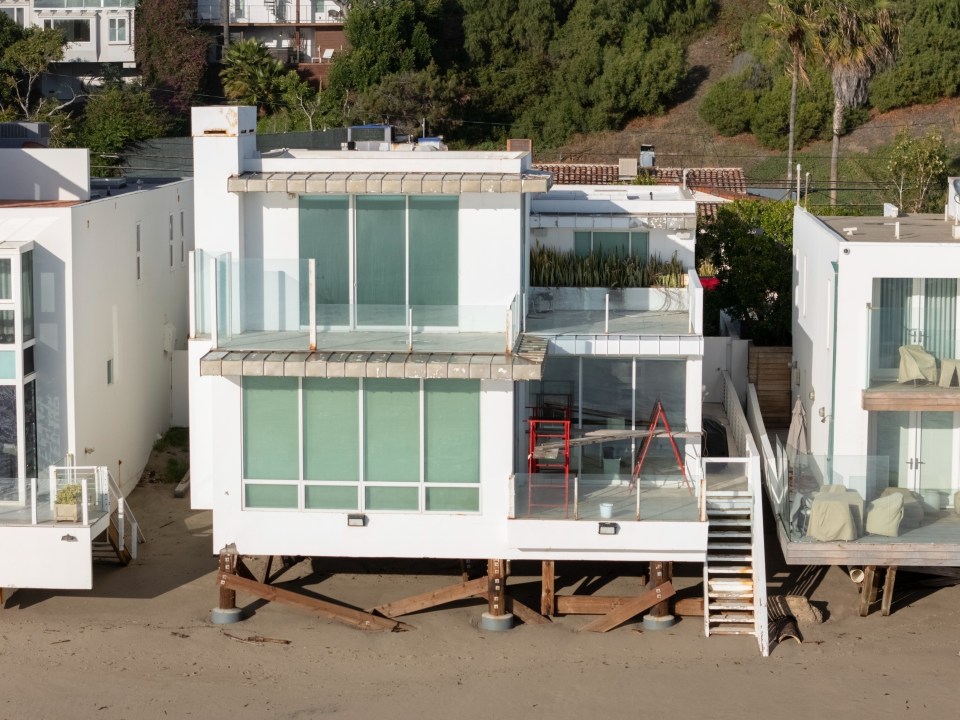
point(141, 645)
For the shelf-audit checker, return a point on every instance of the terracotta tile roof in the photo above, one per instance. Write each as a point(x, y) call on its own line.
point(38, 203)
point(707, 179)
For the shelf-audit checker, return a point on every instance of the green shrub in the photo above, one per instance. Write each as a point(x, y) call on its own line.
point(550, 267)
point(729, 106)
point(771, 120)
point(69, 494)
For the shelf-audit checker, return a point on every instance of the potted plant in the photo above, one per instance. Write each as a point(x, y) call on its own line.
point(68, 502)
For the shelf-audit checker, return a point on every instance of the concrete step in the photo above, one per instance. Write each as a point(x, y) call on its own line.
point(733, 630)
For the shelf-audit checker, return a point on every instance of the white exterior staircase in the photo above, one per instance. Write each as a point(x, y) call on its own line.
point(728, 573)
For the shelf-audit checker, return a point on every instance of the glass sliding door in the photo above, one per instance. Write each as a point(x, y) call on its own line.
point(434, 261)
point(331, 443)
point(381, 278)
point(922, 449)
point(451, 444)
point(391, 444)
point(325, 237)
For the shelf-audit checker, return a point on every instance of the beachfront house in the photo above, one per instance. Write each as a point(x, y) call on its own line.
point(93, 323)
point(388, 360)
point(875, 478)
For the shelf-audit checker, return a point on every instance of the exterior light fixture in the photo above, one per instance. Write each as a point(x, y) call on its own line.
point(356, 520)
point(608, 528)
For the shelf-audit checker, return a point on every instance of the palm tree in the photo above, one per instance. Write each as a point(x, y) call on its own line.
point(252, 76)
point(858, 38)
point(793, 24)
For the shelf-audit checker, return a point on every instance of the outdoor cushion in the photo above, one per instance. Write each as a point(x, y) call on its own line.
point(831, 518)
point(884, 515)
point(916, 364)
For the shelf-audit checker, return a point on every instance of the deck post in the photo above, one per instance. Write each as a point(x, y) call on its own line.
point(659, 616)
point(547, 588)
point(888, 583)
point(868, 589)
point(496, 618)
point(227, 612)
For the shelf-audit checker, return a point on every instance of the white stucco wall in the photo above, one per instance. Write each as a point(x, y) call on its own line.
point(45, 174)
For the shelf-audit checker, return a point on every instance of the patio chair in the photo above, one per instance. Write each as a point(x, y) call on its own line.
point(916, 364)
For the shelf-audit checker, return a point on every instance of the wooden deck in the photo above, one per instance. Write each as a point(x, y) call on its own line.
point(910, 396)
point(935, 543)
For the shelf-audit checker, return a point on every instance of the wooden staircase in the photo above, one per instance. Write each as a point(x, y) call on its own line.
point(114, 547)
point(728, 574)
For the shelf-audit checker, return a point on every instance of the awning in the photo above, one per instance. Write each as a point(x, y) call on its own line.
point(407, 183)
point(526, 364)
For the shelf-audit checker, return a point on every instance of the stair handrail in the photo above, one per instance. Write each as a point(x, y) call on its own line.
point(748, 447)
point(123, 509)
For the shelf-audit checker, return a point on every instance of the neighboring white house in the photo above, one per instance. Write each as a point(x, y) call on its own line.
point(875, 338)
point(93, 323)
point(278, 24)
point(98, 33)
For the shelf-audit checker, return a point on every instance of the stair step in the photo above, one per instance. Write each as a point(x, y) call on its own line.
point(726, 511)
point(734, 590)
point(729, 534)
point(729, 494)
point(729, 570)
point(733, 630)
point(731, 605)
point(733, 617)
point(729, 522)
point(731, 557)
point(711, 546)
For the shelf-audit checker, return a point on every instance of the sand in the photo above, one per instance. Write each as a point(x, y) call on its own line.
point(140, 645)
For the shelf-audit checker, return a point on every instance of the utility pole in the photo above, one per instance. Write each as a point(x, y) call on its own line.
point(225, 19)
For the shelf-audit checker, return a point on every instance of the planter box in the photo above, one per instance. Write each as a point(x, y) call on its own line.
point(67, 513)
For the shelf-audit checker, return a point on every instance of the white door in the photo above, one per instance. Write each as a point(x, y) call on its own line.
point(922, 450)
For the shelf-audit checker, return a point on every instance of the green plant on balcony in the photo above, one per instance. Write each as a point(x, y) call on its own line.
point(550, 267)
point(68, 502)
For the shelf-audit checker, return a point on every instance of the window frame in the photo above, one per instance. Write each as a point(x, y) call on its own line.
point(113, 27)
point(52, 22)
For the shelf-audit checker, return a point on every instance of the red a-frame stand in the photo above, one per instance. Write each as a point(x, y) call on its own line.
point(656, 417)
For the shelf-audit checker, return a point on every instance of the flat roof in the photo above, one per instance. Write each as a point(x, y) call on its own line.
point(386, 183)
point(921, 228)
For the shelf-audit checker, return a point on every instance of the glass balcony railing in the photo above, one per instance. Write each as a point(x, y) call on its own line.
point(255, 304)
point(928, 340)
point(38, 501)
point(549, 496)
point(627, 311)
point(64, 4)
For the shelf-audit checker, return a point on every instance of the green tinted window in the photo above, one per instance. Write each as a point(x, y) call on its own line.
point(270, 428)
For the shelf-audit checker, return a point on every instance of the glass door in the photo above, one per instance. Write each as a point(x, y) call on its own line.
point(922, 448)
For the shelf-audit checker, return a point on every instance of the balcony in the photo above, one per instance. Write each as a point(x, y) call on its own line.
point(274, 306)
point(267, 13)
point(928, 378)
point(622, 321)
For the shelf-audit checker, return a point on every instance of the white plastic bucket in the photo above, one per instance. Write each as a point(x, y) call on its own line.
point(606, 510)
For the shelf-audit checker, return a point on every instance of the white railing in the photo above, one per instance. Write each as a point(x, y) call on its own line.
point(748, 448)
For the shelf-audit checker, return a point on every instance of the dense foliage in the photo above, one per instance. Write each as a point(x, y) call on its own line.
point(171, 53)
point(750, 243)
point(927, 68)
point(482, 69)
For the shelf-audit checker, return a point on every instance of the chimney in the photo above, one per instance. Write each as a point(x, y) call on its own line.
point(648, 158)
point(628, 168)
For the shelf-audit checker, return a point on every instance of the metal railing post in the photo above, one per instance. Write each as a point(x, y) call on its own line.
point(33, 501)
point(312, 294)
point(121, 523)
point(214, 310)
point(52, 470)
point(85, 507)
point(192, 294)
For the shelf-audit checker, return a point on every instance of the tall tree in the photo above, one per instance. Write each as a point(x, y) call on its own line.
point(252, 76)
point(858, 38)
point(171, 52)
point(793, 24)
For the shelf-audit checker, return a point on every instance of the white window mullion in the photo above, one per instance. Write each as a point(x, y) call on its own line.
point(406, 259)
point(423, 473)
point(352, 259)
point(360, 446)
point(301, 444)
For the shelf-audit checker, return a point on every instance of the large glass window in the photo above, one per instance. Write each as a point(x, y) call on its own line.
point(325, 237)
point(26, 292)
point(6, 276)
point(74, 31)
point(8, 432)
point(392, 459)
point(381, 276)
point(405, 252)
point(612, 242)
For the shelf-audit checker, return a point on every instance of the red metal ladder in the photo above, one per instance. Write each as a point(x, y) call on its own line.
point(656, 417)
point(557, 434)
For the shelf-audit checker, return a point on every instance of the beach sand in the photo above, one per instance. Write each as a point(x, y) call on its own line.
point(141, 645)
